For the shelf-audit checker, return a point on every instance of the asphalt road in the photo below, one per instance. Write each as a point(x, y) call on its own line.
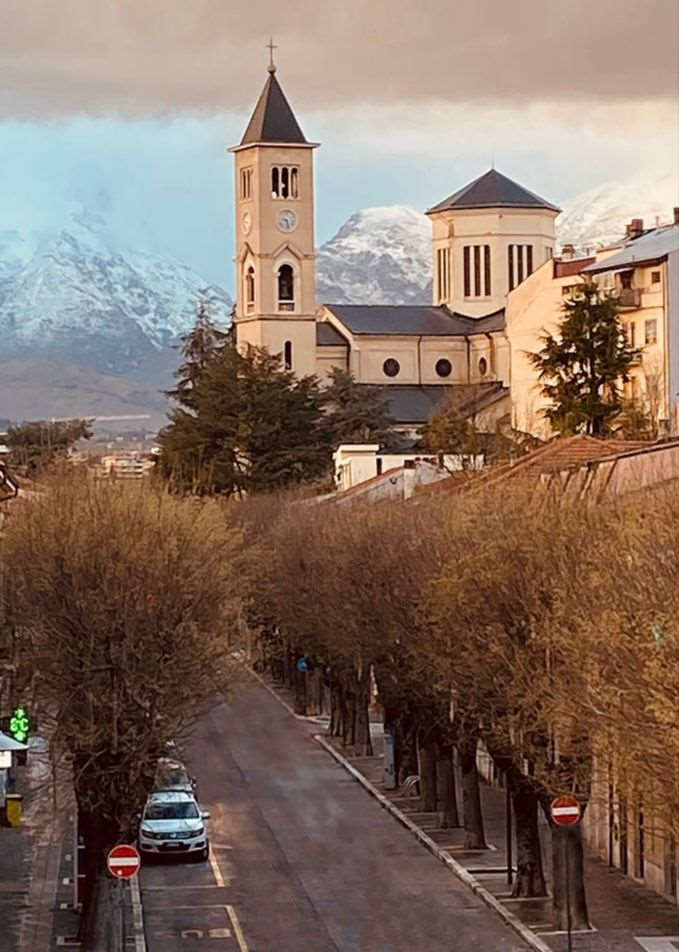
point(302, 857)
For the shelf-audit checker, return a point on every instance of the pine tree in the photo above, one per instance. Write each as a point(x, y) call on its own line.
point(248, 426)
point(583, 365)
point(203, 343)
point(356, 413)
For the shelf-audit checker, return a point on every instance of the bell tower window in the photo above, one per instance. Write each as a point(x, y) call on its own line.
point(285, 181)
point(286, 288)
point(250, 289)
point(246, 183)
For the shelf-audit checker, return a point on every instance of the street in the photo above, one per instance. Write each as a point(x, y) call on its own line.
point(302, 858)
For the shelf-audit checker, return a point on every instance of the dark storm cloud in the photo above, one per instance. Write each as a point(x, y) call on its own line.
point(153, 56)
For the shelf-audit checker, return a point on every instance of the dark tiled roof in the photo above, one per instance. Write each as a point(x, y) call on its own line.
point(412, 404)
point(413, 320)
point(273, 120)
point(565, 267)
point(329, 336)
point(493, 190)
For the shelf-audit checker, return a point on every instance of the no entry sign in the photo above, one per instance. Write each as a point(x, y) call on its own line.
point(566, 811)
point(123, 861)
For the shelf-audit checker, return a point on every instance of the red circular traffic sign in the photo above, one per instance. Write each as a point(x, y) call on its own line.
point(123, 861)
point(566, 810)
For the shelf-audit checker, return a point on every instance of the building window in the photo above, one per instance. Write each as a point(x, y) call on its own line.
point(483, 367)
point(246, 183)
point(250, 288)
point(481, 270)
point(655, 277)
point(651, 332)
point(626, 280)
point(284, 181)
point(549, 253)
point(519, 263)
point(444, 368)
point(287, 355)
point(286, 288)
point(629, 332)
point(443, 274)
point(391, 367)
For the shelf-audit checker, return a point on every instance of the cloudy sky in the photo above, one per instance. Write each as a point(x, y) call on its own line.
point(129, 105)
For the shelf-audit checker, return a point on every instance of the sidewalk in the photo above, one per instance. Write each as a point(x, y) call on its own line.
point(33, 868)
point(626, 916)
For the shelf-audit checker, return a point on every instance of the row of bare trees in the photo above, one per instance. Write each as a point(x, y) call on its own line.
point(120, 599)
point(545, 628)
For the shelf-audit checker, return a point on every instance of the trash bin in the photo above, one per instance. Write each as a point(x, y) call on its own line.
point(13, 808)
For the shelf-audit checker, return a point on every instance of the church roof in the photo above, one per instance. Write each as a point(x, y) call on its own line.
point(412, 320)
point(273, 120)
point(415, 404)
point(329, 336)
point(493, 190)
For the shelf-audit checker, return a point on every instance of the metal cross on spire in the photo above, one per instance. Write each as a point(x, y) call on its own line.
point(271, 46)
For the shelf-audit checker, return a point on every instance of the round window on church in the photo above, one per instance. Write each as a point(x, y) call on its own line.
point(391, 367)
point(444, 368)
point(483, 367)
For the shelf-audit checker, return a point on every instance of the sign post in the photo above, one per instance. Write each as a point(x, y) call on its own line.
point(566, 811)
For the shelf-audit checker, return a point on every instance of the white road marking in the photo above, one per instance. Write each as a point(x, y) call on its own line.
point(219, 879)
point(660, 943)
point(238, 932)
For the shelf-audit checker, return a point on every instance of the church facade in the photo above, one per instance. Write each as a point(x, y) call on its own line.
point(487, 238)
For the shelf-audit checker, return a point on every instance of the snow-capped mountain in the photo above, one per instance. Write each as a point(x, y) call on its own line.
point(380, 255)
point(598, 216)
point(78, 296)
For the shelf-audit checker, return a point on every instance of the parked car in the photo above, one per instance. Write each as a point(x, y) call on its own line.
point(173, 775)
point(172, 822)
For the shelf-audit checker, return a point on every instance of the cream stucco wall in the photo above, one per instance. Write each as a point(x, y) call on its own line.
point(535, 307)
point(497, 228)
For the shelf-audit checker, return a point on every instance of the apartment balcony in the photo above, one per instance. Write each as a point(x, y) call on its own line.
point(628, 297)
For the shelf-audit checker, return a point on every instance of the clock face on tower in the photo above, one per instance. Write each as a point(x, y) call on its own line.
point(246, 222)
point(287, 220)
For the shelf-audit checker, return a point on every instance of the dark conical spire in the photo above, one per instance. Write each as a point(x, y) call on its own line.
point(493, 190)
point(273, 120)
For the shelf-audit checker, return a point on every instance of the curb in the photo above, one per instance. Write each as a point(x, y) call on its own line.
point(310, 719)
point(526, 934)
point(137, 915)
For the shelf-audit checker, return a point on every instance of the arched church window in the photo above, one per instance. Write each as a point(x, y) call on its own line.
point(285, 182)
point(294, 182)
point(287, 355)
point(391, 367)
point(250, 288)
point(286, 288)
point(275, 182)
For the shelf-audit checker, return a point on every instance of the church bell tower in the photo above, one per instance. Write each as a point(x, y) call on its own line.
point(275, 274)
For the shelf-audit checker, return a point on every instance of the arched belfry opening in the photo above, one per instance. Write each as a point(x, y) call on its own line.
point(285, 282)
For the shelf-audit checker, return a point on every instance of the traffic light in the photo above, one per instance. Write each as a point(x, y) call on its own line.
point(19, 725)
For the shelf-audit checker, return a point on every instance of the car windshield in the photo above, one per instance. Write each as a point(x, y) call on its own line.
point(171, 811)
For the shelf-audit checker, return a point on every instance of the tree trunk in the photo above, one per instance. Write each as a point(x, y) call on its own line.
point(406, 747)
point(363, 742)
point(474, 834)
point(445, 788)
point(568, 878)
point(428, 775)
point(336, 708)
point(349, 719)
point(530, 880)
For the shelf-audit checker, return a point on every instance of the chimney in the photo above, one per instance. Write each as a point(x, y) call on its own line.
point(635, 228)
point(567, 251)
point(676, 215)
